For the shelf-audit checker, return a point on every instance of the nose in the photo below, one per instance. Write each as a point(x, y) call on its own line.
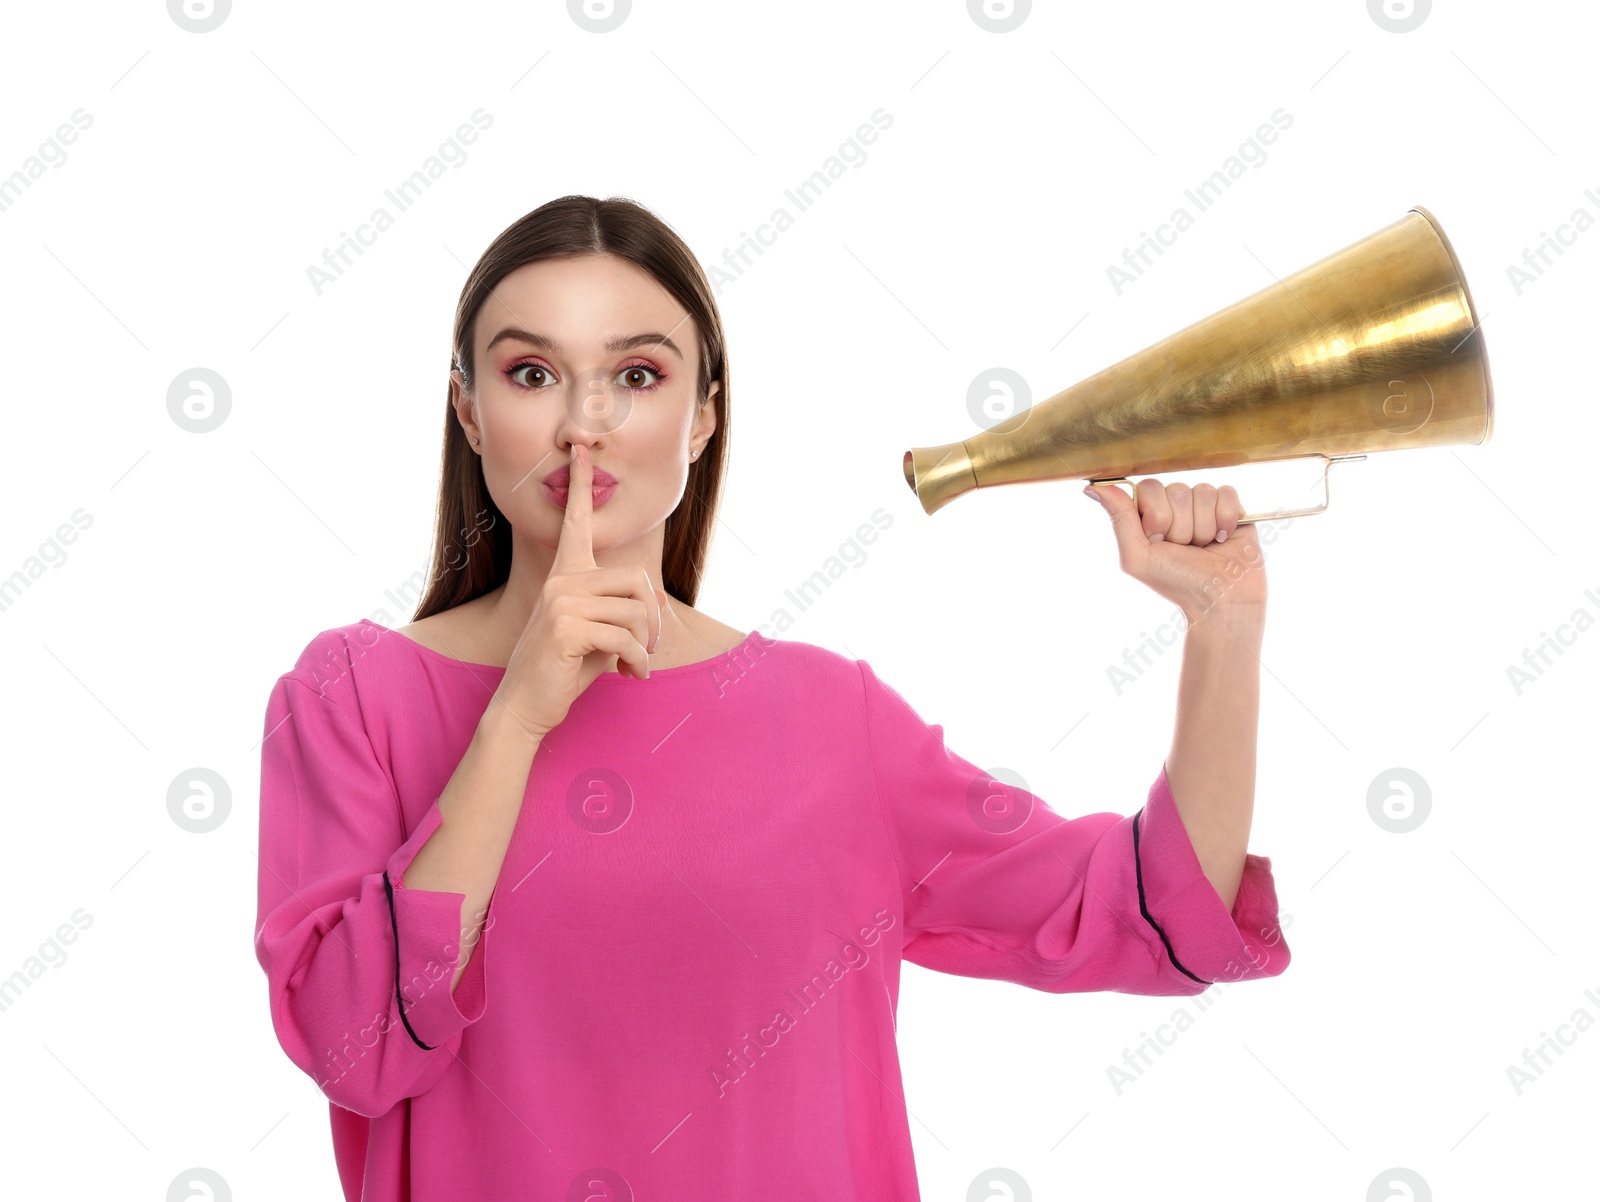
point(595, 408)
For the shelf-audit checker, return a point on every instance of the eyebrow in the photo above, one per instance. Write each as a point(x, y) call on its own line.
point(625, 343)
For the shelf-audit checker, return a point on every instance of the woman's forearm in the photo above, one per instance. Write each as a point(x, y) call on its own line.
point(479, 805)
point(1211, 766)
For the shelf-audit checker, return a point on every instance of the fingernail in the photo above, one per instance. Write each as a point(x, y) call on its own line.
point(1090, 491)
point(1156, 538)
point(1222, 536)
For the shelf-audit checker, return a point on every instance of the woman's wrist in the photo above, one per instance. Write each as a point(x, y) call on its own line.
point(1236, 618)
point(501, 727)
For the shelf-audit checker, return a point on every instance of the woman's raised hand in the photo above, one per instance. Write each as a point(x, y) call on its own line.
point(1187, 544)
point(585, 614)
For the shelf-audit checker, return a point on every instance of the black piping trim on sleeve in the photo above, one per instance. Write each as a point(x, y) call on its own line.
point(395, 925)
point(1138, 872)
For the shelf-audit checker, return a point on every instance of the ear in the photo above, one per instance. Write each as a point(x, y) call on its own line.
point(705, 420)
point(465, 405)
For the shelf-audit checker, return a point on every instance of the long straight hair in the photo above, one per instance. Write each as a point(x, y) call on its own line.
point(472, 539)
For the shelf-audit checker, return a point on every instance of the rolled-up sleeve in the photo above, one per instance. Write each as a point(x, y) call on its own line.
point(997, 884)
point(1204, 939)
point(359, 966)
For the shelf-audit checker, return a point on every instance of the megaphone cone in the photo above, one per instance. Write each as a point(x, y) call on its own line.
point(1376, 347)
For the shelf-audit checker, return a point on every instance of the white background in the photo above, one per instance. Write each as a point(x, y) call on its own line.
point(976, 234)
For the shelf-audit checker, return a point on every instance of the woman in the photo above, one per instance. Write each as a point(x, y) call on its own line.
point(568, 889)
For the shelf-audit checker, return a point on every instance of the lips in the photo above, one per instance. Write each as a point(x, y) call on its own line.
point(561, 478)
point(598, 495)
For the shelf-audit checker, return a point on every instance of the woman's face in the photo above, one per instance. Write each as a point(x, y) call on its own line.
point(585, 349)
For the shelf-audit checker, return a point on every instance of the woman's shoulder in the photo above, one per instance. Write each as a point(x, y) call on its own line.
point(803, 660)
point(364, 660)
point(330, 656)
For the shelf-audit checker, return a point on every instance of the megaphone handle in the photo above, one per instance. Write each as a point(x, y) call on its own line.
point(1328, 462)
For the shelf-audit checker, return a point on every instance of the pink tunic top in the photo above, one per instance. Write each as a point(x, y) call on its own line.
point(687, 983)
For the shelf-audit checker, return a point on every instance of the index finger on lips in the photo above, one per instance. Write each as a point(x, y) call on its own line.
point(575, 548)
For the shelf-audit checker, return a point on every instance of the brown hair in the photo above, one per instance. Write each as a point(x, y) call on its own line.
point(471, 537)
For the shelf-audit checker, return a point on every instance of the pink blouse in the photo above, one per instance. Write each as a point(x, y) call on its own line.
point(687, 981)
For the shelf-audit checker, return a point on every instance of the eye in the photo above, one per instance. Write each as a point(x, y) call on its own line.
point(633, 371)
point(529, 367)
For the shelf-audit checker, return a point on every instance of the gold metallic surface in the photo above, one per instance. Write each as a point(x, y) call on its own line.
point(1374, 348)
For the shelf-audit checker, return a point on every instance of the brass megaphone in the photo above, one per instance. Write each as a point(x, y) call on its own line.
point(1374, 348)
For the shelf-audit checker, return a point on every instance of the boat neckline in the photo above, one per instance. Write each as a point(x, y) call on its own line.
point(656, 674)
